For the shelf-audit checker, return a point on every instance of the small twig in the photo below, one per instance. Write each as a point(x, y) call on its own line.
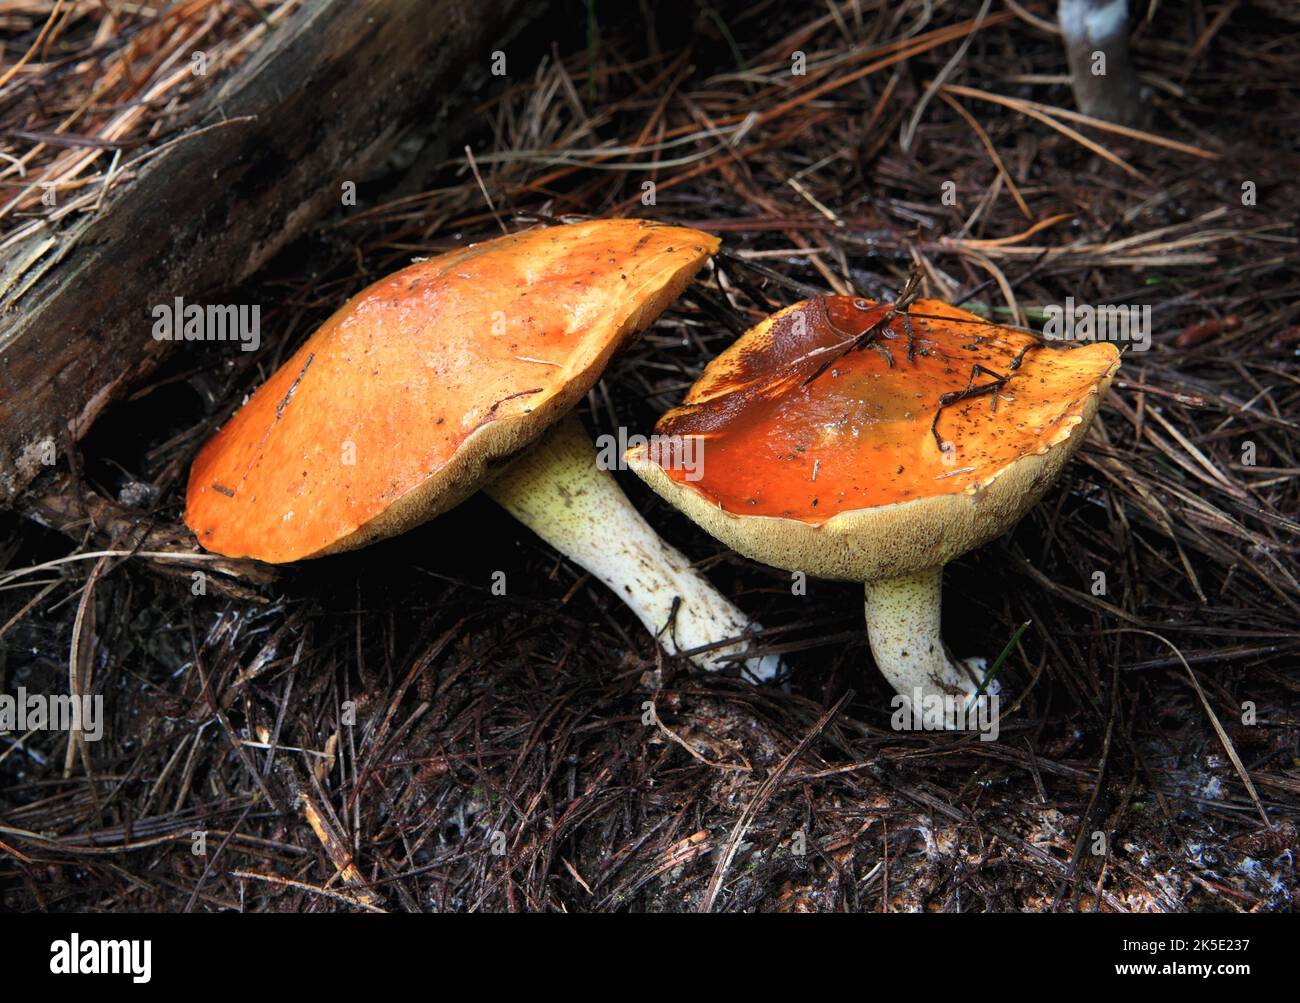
point(469, 154)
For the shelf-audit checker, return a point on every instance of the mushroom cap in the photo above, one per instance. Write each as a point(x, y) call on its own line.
point(841, 477)
point(418, 389)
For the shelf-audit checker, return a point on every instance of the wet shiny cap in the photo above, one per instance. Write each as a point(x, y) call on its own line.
point(931, 437)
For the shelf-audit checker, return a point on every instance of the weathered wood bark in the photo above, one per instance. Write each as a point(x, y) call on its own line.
point(326, 97)
point(168, 549)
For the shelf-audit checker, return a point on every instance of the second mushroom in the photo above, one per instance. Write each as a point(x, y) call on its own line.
point(854, 440)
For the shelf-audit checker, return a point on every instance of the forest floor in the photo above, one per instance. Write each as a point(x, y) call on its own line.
point(500, 757)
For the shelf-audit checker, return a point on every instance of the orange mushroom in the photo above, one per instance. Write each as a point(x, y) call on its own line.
point(424, 387)
point(856, 440)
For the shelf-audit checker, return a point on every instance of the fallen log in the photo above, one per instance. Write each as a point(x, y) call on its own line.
point(320, 103)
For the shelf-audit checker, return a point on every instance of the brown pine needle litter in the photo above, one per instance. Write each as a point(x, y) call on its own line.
point(378, 731)
point(100, 85)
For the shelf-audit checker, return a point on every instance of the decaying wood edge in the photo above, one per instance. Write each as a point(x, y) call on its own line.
point(170, 550)
point(319, 103)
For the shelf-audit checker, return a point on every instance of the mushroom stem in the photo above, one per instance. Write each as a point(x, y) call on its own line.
point(557, 490)
point(903, 628)
point(1101, 72)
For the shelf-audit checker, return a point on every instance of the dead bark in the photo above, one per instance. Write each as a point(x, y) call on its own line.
point(320, 103)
